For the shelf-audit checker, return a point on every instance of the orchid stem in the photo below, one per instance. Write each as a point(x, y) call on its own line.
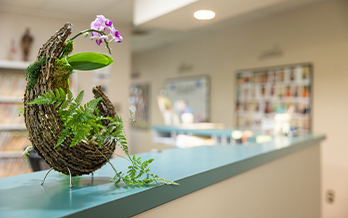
point(92, 30)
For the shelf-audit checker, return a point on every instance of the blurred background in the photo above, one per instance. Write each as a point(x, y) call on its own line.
point(166, 52)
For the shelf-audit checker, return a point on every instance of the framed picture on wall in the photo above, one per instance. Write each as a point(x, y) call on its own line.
point(190, 95)
point(139, 100)
point(263, 93)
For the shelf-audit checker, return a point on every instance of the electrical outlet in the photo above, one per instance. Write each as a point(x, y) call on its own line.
point(330, 196)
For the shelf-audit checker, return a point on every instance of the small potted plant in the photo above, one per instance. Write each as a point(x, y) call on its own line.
point(77, 139)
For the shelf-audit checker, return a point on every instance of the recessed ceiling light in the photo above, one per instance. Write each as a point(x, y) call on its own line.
point(204, 15)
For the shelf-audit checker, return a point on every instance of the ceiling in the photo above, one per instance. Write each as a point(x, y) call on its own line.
point(163, 29)
point(118, 10)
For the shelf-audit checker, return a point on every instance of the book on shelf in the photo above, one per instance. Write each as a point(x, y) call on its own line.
point(13, 141)
point(13, 84)
point(13, 166)
point(9, 113)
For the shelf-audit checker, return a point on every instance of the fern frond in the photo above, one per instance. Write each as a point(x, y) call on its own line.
point(64, 105)
point(165, 181)
point(57, 94)
point(52, 94)
point(62, 137)
point(62, 94)
point(70, 96)
point(79, 98)
point(57, 98)
point(44, 99)
point(85, 124)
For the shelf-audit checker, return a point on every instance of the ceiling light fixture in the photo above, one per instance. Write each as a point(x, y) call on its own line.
point(204, 15)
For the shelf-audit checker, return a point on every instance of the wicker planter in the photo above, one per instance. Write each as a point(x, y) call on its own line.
point(44, 125)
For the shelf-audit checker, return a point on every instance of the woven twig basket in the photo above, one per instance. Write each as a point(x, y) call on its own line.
point(42, 119)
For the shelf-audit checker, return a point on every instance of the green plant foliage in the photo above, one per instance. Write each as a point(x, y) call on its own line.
point(51, 98)
point(79, 120)
point(26, 154)
point(89, 61)
point(61, 73)
point(68, 48)
point(33, 72)
point(25, 157)
point(139, 174)
point(21, 111)
point(110, 59)
point(85, 124)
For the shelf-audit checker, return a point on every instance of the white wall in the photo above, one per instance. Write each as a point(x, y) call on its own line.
point(316, 34)
point(13, 26)
point(273, 190)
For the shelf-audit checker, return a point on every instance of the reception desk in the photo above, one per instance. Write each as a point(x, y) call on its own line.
point(279, 178)
point(170, 134)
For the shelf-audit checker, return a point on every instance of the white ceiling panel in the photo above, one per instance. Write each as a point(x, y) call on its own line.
point(23, 3)
point(146, 10)
point(78, 6)
point(183, 20)
point(121, 13)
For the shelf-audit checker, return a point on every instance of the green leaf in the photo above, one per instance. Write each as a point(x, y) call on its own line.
point(25, 157)
point(43, 100)
point(110, 59)
point(52, 94)
point(62, 94)
point(57, 93)
point(60, 141)
point(89, 61)
point(79, 98)
point(70, 96)
point(58, 103)
point(21, 111)
point(64, 105)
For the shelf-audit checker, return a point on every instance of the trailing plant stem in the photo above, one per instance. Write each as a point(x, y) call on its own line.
point(108, 161)
point(129, 159)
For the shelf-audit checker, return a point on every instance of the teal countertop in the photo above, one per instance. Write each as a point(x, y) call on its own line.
point(194, 168)
point(202, 132)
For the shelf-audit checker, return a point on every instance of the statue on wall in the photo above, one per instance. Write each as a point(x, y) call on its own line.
point(27, 40)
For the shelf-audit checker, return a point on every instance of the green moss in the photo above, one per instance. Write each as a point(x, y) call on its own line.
point(68, 47)
point(33, 72)
point(61, 74)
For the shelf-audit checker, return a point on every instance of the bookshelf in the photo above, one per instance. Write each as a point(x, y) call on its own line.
point(263, 93)
point(13, 134)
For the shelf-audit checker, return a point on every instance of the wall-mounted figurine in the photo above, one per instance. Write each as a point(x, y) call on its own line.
point(27, 40)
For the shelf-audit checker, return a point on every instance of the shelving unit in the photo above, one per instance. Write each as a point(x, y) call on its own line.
point(16, 65)
point(5, 127)
point(13, 135)
point(11, 99)
point(263, 93)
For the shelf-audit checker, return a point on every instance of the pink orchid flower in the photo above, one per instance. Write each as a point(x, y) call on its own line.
point(100, 24)
point(115, 35)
